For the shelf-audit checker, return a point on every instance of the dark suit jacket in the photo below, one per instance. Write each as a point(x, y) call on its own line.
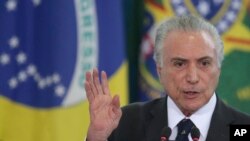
point(144, 121)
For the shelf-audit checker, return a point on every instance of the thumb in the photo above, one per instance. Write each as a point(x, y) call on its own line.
point(116, 106)
point(116, 102)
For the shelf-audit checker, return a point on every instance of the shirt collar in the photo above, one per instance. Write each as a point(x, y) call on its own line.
point(200, 118)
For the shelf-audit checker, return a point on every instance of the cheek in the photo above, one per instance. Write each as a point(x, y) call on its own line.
point(213, 78)
point(172, 81)
point(210, 81)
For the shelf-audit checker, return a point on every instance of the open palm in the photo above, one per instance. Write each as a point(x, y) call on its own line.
point(105, 111)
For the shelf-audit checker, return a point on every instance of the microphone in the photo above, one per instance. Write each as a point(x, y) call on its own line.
point(165, 133)
point(195, 133)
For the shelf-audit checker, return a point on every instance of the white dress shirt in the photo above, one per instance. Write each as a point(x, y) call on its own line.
point(200, 118)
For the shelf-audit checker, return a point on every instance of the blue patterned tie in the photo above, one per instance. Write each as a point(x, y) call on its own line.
point(184, 128)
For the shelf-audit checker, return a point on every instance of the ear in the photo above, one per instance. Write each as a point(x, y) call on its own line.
point(219, 70)
point(159, 68)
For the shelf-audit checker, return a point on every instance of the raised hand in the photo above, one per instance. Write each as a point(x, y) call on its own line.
point(105, 111)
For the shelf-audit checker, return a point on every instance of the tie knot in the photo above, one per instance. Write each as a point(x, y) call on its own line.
point(184, 128)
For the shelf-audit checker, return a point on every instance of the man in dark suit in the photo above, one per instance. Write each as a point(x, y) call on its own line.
point(188, 53)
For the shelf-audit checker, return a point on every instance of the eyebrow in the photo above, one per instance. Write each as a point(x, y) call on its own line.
point(205, 58)
point(183, 59)
point(178, 59)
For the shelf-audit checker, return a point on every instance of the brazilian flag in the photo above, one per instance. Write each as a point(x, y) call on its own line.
point(46, 47)
point(234, 86)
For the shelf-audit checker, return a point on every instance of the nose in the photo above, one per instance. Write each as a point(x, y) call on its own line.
point(192, 76)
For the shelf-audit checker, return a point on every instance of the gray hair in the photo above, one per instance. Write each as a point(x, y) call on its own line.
point(186, 23)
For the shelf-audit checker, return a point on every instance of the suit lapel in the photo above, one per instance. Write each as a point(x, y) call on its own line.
point(221, 119)
point(156, 120)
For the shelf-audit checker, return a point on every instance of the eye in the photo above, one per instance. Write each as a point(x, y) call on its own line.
point(179, 64)
point(205, 63)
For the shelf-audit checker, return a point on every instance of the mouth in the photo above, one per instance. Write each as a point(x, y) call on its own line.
point(191, 94)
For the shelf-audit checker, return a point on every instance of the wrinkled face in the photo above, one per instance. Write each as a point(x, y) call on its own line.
point(190, 71)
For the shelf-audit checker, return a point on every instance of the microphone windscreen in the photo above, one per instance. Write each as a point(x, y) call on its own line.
point(166, 132)
point(195, 133)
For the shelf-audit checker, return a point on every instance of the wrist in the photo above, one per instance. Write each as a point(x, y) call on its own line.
point(94, 135)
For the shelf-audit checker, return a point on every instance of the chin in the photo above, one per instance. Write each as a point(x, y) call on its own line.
point(191, 108)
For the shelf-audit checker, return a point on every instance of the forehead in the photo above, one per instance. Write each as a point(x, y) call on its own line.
point(189, 44)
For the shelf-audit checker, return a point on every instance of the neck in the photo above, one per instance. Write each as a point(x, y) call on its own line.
point(187, 114)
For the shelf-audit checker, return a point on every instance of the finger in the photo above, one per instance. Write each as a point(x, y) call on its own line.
point(89, 93)
point(90, 82)
point(105, 84)
point(96, 81)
